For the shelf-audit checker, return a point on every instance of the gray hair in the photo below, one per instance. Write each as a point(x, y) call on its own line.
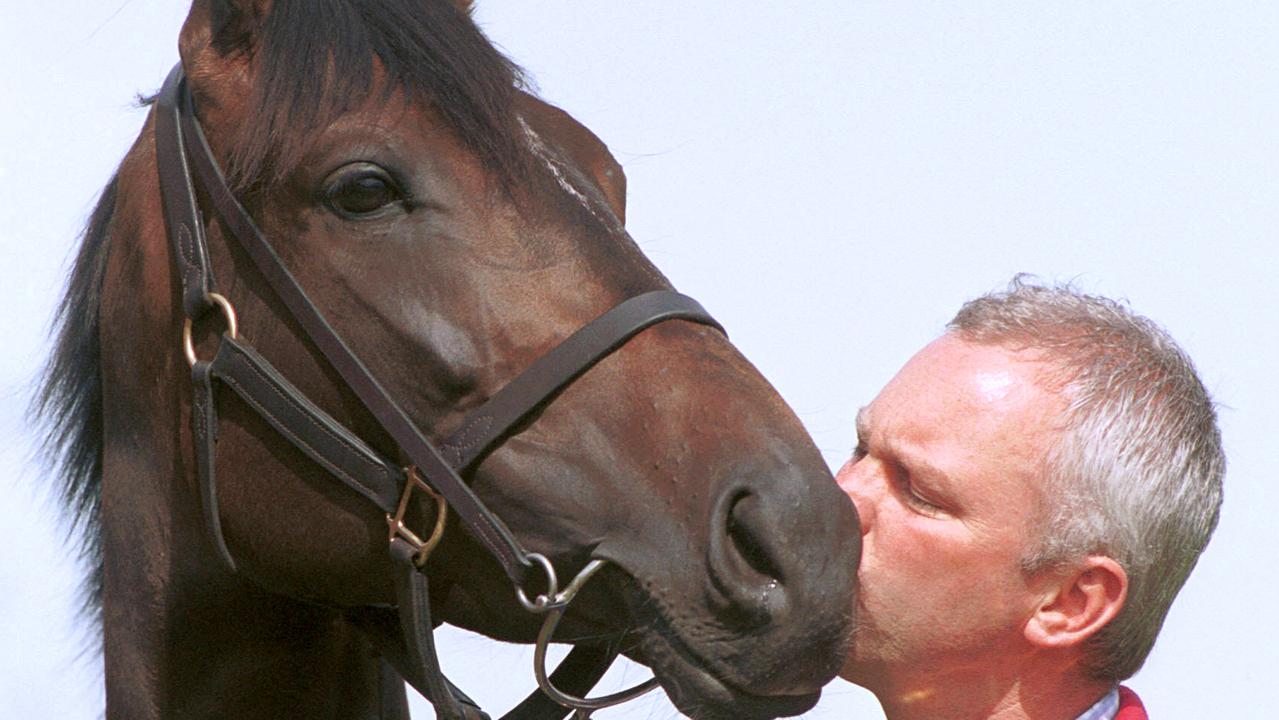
point(1137, 472)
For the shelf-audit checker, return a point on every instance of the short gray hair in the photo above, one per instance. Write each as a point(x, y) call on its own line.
point(1137, 472)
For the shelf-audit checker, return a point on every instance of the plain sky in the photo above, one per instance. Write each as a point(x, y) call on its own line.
point(831, 179)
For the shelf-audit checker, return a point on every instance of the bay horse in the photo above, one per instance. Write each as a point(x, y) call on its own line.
point(432, 240)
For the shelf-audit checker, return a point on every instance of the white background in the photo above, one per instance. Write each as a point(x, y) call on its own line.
point(831, 180)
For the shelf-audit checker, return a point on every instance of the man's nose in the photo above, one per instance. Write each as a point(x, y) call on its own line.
point(853, 481)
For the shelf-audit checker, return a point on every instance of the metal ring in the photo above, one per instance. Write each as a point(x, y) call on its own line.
point(546, 600)
point(552, 621)
point(228, 314)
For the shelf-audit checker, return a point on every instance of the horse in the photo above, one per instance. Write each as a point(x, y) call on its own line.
point(434, 240)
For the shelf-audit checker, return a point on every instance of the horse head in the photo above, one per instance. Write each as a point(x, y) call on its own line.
point(452, 229)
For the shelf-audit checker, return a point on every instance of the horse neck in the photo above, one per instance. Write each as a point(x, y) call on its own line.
point(182, 637)
point(244, 655)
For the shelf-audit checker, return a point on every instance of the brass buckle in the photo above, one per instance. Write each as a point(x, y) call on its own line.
point(228, 315)
point(399, 530)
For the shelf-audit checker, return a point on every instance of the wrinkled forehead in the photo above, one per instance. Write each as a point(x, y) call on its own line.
point(979, 414)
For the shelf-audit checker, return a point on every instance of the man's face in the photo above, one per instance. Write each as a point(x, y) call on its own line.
point(946, 480)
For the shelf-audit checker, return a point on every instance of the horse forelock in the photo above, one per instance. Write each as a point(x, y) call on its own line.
point(313, 60)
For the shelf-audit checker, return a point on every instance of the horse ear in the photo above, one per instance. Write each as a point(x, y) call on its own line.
point(582, 146)
point(225, 26)
point(216, 45)
point(466, 6)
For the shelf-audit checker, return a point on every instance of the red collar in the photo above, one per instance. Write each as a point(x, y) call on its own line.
point(1130, 707)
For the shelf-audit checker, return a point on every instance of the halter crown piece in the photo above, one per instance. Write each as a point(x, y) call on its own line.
point(181, 149)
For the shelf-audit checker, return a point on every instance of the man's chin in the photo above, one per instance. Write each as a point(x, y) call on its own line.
point(862, 667)
point(853, 671)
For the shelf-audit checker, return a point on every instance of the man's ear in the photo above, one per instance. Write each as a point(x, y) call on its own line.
point(1077, 603)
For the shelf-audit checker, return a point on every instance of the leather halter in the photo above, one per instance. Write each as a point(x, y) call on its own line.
point(436, 469)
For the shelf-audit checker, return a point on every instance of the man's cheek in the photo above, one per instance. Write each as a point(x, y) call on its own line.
point(912, 551)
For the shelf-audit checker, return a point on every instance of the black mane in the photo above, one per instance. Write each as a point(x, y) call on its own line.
point(316, 60)
point(68, 403)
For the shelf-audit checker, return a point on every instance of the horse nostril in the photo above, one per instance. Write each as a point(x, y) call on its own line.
point(747, 531)
point(745, 568)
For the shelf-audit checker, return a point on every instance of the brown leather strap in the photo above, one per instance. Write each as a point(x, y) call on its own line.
point(413, 601)
point(177, 194)
point(394, 702)
point(204, 436)
point(310, 429)
point(552, 372)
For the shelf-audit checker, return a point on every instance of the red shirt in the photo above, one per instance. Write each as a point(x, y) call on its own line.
point(1130, 707)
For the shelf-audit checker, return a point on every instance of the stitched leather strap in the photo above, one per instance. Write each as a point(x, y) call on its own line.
point(551, 373)
point(310, 429)
point(177, 194)
point(204, 435)
point(347, 458)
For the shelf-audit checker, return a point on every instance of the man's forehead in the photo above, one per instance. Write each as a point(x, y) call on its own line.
point(954, 375)
point(994, 385)
point(965, 410)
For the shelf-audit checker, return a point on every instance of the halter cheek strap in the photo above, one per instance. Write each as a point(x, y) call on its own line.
point(181, 148)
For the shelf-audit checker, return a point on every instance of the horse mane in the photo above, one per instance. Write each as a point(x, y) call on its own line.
point(68, 402)
point(316, 60)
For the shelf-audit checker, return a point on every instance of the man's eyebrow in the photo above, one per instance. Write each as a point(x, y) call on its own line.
point(921, 467)
point(918, 465)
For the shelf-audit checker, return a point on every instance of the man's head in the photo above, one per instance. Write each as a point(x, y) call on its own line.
point(1035, 486)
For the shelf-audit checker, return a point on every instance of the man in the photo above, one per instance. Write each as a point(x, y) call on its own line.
point(1034, 487)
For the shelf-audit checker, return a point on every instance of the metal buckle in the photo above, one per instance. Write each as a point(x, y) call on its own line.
point(546, 600)
point(228, 314)
point(554, 607)
point(399, 530)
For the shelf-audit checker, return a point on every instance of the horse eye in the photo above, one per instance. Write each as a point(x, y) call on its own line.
point(362, 192)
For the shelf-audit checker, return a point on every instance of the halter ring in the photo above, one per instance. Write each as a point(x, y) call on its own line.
point(228, 314)
point(547, 600)
point(554, 612)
